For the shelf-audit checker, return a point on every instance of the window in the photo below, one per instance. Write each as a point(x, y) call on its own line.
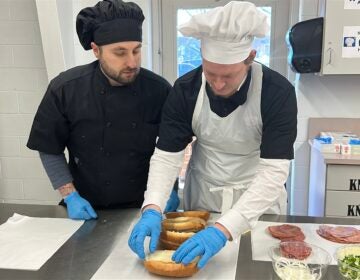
point(179, 54)
point(188, 48)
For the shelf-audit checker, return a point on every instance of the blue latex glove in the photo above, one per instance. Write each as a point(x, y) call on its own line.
point(148, 225)
point(205, 243)
point(79, 208)
point(173, 202)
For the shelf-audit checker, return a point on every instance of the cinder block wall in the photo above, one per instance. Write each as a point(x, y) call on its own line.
point(23, 81)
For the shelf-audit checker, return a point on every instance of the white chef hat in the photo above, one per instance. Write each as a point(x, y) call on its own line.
point(227, 32)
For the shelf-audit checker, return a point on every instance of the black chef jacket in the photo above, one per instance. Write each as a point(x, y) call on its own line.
point(278, 112)
point(110, 132)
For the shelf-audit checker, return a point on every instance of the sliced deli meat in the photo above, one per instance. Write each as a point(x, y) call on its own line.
point(343, 232)
point(287, 232)
point(339, 234)
point(295, 250)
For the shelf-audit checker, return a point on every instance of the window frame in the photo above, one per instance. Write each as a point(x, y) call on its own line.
point(165, 42)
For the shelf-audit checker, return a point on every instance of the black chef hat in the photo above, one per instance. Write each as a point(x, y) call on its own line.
point(109, 21)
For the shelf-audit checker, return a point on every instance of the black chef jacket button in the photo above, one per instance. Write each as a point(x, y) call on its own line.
point(134, 93)
point(132, 181)
point(107, 154)
point(108, 124)
point(132, 154)
point(102, 91)
point(133, 125)
point(101, 148)
point(107, 183)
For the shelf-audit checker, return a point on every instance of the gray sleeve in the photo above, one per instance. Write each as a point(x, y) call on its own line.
point(57, 169)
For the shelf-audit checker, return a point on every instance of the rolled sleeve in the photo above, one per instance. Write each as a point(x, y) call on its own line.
point(164, 169)
point(264, 192)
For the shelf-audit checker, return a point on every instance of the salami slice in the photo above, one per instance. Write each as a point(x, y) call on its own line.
point(287, 232)
point(295, 250)
point(339, 234)
point(299, 237)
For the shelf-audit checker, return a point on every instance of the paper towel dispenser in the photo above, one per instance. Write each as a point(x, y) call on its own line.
point(304, 41)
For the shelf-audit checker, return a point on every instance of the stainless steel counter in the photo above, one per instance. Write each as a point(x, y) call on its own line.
point(81, 256)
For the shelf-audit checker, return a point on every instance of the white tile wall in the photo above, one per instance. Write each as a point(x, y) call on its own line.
point(12, 125)
point(23, 10)
point(9, 146)
point(21, 32)
point(29, 56)
point(37, 34)
point(6, 82)
point(22, 168)
point(23, 81)
point(35, 172)
point(6, 56)
point(11, 167)
point(38, 189)
point(4, 10)
point(8, 103)
point(11, 189)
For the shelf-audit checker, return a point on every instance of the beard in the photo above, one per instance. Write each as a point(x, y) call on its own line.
point(124, 76)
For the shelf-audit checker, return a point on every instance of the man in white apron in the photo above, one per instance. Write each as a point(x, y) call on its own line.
point(244, 118)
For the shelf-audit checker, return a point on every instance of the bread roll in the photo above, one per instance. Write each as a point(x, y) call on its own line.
point(197, 214)
point(183, 224)
point(174, 236)
point(171, 240)
point(160, 263)
point(168, 245)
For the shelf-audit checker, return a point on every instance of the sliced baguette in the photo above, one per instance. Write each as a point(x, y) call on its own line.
point(160, 263)
point(174, 236)
point(171, 240)
point(168, 245)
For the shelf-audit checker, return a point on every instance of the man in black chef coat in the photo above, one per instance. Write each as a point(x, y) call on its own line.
point(106, 113)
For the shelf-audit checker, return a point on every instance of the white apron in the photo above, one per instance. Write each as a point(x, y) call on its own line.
point(226, 152)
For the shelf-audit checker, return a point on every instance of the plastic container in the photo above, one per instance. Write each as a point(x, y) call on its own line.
point(313, 267)
point(348, 259)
